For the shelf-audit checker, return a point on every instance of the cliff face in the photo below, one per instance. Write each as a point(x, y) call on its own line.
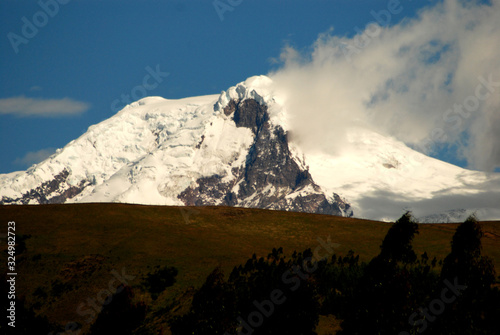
point(269, 178)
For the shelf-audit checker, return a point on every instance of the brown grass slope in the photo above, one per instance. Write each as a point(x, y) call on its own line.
point(73, 248)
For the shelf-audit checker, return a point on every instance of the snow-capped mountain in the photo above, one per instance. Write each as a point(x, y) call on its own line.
point(227, 149)
point(235, 149)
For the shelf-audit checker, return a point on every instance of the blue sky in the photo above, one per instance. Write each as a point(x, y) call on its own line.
point(89, 53)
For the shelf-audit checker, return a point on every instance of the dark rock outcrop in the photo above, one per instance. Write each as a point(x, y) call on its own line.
point(270, 177)
point(50, 192)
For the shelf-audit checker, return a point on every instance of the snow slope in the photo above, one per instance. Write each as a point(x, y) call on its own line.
point(123, 145)
point(382, 177)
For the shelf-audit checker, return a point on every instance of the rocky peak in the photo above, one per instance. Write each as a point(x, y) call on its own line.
point(269, 178)
point(250, 114)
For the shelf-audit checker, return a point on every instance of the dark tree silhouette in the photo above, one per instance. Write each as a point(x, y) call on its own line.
point(397, 243)
point(157, 281)
point(395, 293)
point(477, 304)
point(297, 309)
point(383, 296)
point(465, 260)
point(255, 300)
point(212, 310)
point(121, 315)
point(337, 280)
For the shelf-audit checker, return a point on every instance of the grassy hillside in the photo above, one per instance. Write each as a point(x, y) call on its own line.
point(73, 248)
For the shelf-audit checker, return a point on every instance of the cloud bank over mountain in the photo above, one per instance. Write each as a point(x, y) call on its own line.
point(432, 81)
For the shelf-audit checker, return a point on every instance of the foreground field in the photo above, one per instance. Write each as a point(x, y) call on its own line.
point(74, 253)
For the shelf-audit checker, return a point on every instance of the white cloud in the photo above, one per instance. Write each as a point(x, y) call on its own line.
point(23, 106)
point(404, 80)
point(34, 157)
